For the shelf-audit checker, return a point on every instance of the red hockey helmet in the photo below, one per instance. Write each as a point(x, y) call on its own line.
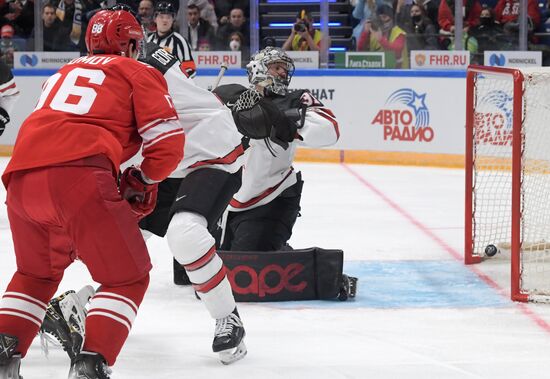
point(111, 32)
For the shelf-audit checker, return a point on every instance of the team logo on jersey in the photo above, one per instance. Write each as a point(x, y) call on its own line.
point(493, 118)
point(405, 117)
point(28, 60)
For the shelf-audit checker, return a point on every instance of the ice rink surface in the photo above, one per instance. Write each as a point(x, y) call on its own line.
point(420, 313)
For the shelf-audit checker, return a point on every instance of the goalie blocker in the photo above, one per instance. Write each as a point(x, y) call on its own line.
point(305, 274)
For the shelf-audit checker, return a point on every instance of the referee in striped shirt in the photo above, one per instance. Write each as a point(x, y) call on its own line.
point(170, 40)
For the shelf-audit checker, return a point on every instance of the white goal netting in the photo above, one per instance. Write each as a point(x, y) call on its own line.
point(492, 172)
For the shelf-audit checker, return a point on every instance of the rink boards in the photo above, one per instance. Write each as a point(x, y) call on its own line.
point(413, 117)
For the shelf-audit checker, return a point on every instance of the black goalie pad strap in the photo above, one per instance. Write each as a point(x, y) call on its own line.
point(306, 274)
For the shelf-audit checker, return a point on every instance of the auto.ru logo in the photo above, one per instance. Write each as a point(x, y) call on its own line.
point(497, 60)
point(28, 60)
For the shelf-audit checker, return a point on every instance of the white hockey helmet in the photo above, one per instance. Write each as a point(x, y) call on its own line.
point(258, 69)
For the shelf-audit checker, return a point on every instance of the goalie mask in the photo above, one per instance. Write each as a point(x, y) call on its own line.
point(258, 70)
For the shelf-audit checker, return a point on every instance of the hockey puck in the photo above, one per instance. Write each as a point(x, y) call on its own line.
point(491, 250)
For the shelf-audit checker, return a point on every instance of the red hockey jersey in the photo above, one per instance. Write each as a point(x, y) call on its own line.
point(101, 104)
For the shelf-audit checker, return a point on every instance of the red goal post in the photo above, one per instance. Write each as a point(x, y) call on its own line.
point(507, 183)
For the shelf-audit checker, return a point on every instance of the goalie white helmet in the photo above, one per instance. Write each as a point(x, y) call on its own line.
point(258, 70)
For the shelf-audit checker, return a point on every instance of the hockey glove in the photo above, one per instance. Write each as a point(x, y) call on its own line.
point(141, 195)
point(4, 119)
point(284, 127)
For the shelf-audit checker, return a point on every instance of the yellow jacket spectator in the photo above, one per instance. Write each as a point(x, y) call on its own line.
point(304, 36)
point(380, 34)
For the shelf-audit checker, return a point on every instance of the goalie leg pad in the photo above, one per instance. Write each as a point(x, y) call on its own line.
point(305, 274)
point(194, 248)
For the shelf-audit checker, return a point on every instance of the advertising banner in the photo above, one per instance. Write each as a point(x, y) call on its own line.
point(513, 58)
point(399, 114)
point(393, 113)
point(364, 59)
point(388, 113)
point(43, 59)
point(214, 59)
point(430, 59)
point(305, 59)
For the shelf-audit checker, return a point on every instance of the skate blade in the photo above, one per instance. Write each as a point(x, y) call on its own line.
point(232, 355)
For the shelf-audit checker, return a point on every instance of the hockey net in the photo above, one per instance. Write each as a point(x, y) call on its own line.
point(508, 174)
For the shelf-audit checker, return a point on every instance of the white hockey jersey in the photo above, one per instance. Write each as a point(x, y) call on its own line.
point(9, 93)
point(211, 137)
point(266, 176)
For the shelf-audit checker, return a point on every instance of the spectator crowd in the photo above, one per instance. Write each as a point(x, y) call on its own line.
point(211, 25)
point(400, 26)
point(396, 26)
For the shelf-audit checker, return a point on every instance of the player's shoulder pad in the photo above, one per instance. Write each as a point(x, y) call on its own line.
point(159, 58)
point(5, 73)
point(229, 93)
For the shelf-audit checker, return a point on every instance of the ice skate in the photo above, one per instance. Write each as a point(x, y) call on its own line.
point(228, 338)
point(89, 365)
point(65, 320)
point(10, 362)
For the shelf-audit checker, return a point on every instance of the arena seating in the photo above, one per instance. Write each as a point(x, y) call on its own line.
point(278, 16)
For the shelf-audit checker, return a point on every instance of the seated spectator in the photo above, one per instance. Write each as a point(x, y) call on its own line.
point(236, 43)
point(199, 31)
point(88, 9)
point(489, 35)
point(65, 11)
point(446, 20)
point(7, 47)
point(223, 9)
point(21, 16)
point(146, 10)
point(207, 12)
point(363, 11)
point(304, 36)
point(56, 36)
point(432, 10)
point(507, 11)
point(237, 23)
point(380, 34)
point(421, 33)
point(472, 10)
point(403, 11)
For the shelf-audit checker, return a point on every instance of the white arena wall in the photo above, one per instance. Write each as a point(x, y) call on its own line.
point(385, 116)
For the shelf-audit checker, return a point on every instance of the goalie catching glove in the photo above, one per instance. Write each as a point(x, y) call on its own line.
point(259, 117)
point(141, 195)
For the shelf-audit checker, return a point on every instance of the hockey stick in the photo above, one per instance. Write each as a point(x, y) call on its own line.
point(223, 68)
